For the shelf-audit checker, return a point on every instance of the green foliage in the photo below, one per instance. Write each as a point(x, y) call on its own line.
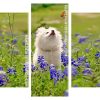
point(13, 55)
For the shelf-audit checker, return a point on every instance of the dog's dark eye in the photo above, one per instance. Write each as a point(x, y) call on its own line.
point(47, 32)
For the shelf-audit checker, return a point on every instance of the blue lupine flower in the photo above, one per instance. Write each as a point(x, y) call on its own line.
point(98, 85)
point(98, 40)
point(64, 59)
point(1, 68)
point(57, 75)
point(14, 41)
point(75, 86)
point(26, 67)
point(3, 78)
point(43, 64)
point(52, 71)
point(82, 39)
point(33, 68)
point(66, 93)
point(60, 74)
point(11, 70)
point(87, 65)
point(97, 55)
point(87, 71)
point(74, 71)
point(40, 59)
point(55, 80)
point(72, 61)
point(64, 46)
point(65, 72)
point(81, 59)
point(75, 63)
point(26, 64)
point(87, 50)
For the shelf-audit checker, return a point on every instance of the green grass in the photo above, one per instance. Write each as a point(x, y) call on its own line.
point(86, 25)
point(41, 83)
point(43, 86)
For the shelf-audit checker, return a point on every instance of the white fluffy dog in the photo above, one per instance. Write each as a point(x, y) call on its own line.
point(48, 43)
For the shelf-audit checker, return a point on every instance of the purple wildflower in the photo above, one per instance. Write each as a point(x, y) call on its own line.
point(87, 65)
point(40, 59)
point(66, 93)
point(26, 67)
point(87, 71)
point(81, 59)
point(74, 71)
point(11, 70)
point(60, 74)
point(14, 41)
point(98, 85)
point(97, 55)
point(65, 72)
point(33, 68)
point(1, 68)
point(82, 39)
point(64, 59)
point(98, 40)
point(87, 50)
point(75, 63)
point(52, 71)
point(64, 46)
point(43, 64)
point(3, 78)
point(75, 86)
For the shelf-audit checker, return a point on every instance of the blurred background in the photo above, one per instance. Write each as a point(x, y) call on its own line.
point(20, 22)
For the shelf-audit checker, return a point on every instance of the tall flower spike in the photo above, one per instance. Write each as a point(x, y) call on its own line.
point(3, 78)
point(11, 70)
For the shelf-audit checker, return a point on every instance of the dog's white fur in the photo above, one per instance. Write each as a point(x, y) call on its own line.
point(47, 45)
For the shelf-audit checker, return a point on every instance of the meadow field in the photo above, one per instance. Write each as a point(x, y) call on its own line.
point(85, 50)
point(13, 28)
point(42, 82)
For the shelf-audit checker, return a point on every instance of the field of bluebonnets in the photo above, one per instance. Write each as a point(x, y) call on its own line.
point(46, 79)
point(86, 50)
point(13, 28)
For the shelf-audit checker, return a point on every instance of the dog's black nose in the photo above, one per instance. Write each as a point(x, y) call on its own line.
point(52, 32)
